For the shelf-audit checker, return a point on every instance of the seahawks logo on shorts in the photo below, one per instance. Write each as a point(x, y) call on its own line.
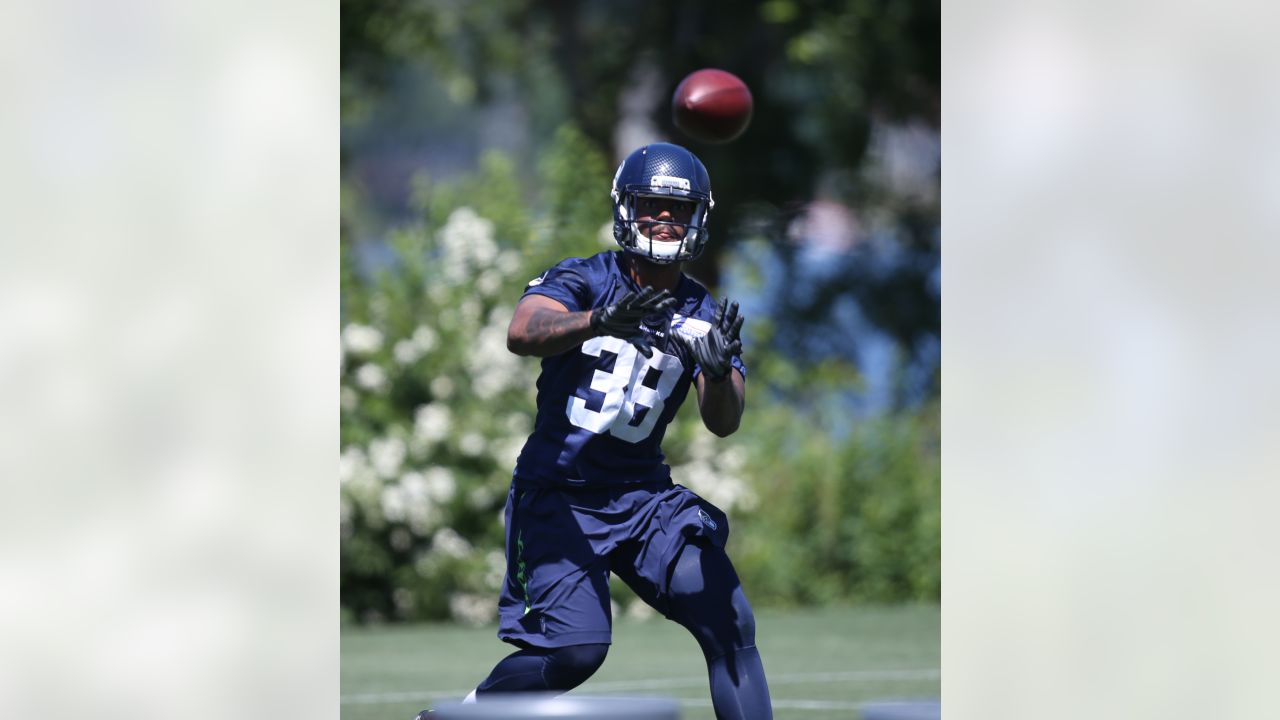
point(706, 519)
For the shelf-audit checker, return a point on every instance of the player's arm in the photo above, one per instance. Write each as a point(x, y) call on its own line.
point(721, 403)
point(543, 327)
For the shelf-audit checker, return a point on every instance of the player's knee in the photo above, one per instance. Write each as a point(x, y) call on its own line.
point(570, 666)
point(722, 630)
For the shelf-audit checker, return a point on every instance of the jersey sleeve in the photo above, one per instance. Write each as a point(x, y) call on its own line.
point(566, 282)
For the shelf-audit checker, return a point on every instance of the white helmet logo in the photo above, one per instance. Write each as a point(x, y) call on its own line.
point(666, 181)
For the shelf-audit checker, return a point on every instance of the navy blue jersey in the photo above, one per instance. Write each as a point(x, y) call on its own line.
point(603, 408)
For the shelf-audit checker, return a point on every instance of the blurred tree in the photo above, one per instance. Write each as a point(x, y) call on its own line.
point(826, 74)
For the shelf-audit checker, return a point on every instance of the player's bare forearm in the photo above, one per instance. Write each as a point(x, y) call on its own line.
point(542, 327)
point(721, 404)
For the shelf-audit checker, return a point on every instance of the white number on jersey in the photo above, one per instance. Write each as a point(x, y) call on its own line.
point(623, 390)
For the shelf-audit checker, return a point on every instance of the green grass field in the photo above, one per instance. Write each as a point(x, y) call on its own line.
point(822, 663)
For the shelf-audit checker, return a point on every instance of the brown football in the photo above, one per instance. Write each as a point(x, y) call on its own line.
point(712, 106)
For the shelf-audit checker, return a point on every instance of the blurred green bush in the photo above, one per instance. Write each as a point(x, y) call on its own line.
point(435, 410)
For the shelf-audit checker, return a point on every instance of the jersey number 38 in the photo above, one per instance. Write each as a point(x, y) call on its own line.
point(624, 390)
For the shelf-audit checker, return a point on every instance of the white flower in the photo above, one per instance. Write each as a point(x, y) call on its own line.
point(455, 268)
point(442, 387)
point(733, 460)
point(484, 251)
point(518, 423)
point(414, 484)
point(489, 382)
point(496, 569)
point(431, 422)
point(466, 241)
point(371, 377)
point(469, 311)
point(449, 543)
point(348, 399)
point(508, 262)
point(345, 513)
point(423, 518)
point(394, 507)
point(411, 349)
point(471, 444)
point(406, 352)
point(361, 339)
point(440, 485)
point(492, 368)
point(723, 490)
point(358, 480)
point(500, 315)
point(702, 448)
point(480, 497)
point(472, 609)
point(489, 283)
point(387, 455)
point(350, 464)
point(425, 338)
point(506, 452)
point(421, 512)
point(460, 229)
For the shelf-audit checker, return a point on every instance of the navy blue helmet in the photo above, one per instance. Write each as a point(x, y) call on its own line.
point(667, 171)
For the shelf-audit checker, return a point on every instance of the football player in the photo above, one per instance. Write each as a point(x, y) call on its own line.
point(623, 335)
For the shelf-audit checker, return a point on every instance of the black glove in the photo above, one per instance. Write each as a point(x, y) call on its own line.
point(622, 319)
point(715, 350)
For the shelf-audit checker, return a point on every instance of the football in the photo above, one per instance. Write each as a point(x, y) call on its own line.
point(712, 106)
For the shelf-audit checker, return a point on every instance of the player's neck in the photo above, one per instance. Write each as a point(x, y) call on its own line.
point(661, 277)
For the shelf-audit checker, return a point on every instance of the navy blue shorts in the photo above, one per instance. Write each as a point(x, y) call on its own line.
point(562, 545)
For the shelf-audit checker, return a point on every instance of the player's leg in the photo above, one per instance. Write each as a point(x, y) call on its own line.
point(676, 563)
point(700, 590)
point(544, 669)
point(706, 597)
point(555, 601)
point(538, 670)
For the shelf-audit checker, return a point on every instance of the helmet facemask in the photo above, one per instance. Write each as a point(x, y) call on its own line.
point(635, 241)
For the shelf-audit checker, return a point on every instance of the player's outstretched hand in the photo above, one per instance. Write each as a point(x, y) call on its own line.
point(715, 350)
point(622, 319)
point(728, 320)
